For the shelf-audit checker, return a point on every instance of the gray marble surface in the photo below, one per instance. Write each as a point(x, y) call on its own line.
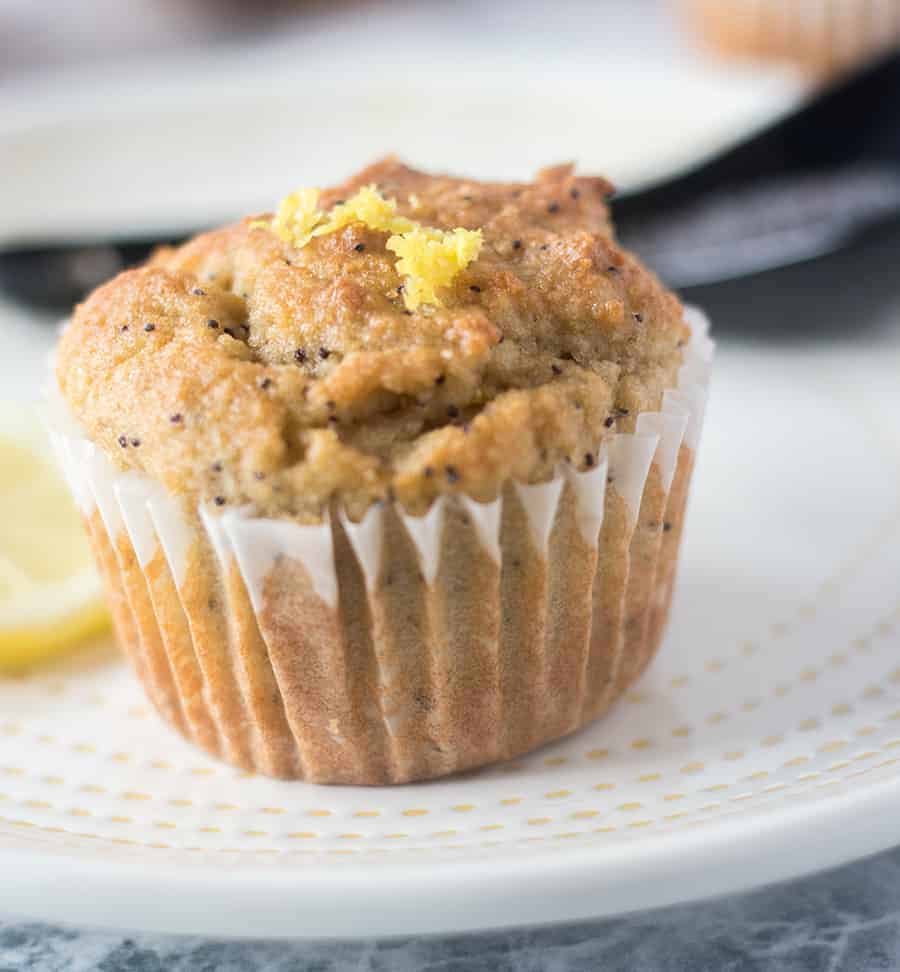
point(847, 920)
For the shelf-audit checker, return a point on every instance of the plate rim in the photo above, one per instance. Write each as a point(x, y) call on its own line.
point(466, 896)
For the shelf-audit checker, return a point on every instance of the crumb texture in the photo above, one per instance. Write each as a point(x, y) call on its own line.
point(244, 368)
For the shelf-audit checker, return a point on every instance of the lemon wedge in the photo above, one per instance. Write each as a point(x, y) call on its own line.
point(50, 595)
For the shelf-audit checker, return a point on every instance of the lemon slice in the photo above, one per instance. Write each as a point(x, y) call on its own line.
point(50, 595)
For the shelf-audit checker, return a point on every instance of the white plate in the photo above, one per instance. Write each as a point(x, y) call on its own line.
point(162, 156)
point(751, 725)
point(763, 742)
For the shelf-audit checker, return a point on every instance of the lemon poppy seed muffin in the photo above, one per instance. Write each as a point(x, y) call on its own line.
point(257, 372)
point(358, 509)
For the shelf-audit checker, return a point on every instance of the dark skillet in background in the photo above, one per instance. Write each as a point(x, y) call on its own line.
point(794, 232)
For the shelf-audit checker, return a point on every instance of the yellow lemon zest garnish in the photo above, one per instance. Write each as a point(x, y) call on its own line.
point(431, 258)
point(369, 207)
point(428, 258)
point(296, 218)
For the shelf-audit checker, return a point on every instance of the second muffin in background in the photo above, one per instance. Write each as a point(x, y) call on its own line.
point(390, 484)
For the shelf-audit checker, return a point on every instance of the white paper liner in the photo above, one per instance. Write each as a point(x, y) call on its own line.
point(154, 520)
point(425, 533)
point(366, 538)
point(485, 518)
point(175, 535)
point(590, 495)
point(102, 479)
point(630, 458)
point(133, 493)
point(669, 428)
point(540, 503)
point(71, 451)
point(218, 536)
point(258, 543)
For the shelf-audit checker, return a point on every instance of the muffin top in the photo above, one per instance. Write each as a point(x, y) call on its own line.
point(401, 335)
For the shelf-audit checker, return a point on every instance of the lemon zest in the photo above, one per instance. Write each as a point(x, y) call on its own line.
point(296, 218)
point(429, 258)
point(369, 207)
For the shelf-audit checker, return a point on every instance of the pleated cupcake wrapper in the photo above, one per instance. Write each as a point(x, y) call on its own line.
point(134, 506)
point(153, 519)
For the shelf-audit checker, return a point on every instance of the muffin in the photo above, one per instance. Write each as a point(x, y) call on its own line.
point(822, 37)
point(388, 484)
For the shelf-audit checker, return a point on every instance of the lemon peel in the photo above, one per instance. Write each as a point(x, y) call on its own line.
point(298, 214)
point(428, 258)
point(369, 207)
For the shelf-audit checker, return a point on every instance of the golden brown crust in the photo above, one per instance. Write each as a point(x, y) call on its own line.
point(240, 369)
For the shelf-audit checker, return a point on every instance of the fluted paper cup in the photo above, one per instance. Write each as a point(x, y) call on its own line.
point(398, 648)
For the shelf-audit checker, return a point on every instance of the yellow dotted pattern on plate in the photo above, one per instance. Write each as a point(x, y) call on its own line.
point(784, 792)
point(606, 817)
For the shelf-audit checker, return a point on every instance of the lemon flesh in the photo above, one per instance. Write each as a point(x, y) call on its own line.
point(50, 596)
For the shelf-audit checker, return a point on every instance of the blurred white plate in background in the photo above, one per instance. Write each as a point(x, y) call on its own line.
point(103, 160)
